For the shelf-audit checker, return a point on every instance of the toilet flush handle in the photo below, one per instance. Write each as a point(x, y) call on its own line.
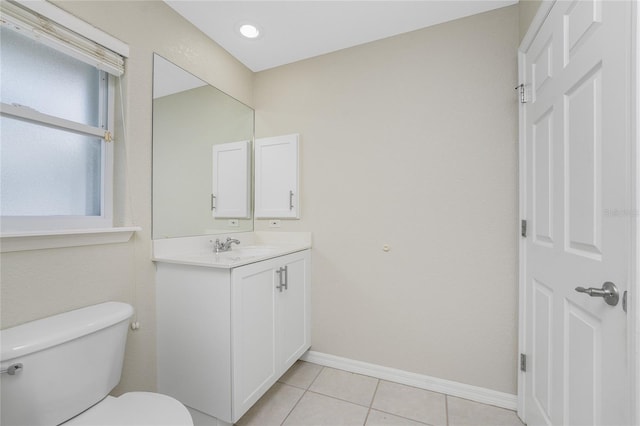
point(12, 369)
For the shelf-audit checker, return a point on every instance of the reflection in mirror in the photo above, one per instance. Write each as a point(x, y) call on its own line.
point(201, 156)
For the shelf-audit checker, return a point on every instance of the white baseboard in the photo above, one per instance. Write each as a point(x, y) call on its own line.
point(448, 387)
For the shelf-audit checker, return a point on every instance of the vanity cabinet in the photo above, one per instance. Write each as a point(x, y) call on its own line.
point(276, 177)
point(225, 336)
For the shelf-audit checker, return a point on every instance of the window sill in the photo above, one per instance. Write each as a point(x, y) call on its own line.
point(21, 241)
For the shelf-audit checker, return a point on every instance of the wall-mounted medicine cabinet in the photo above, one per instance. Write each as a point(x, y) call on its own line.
point(277, 177)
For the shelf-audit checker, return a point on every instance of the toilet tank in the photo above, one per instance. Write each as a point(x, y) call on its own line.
point(69, 362)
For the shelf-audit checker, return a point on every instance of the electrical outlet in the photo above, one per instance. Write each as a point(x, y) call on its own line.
point(232, 222)
point(274, 223)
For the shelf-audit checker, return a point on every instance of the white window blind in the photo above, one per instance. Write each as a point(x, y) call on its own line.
point(15, 17)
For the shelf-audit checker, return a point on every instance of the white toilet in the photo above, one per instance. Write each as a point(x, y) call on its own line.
point(60, 370)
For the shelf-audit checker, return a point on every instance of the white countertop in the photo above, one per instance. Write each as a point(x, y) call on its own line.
point(253, 247)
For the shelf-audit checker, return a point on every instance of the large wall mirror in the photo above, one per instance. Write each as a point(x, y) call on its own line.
point(201, 156)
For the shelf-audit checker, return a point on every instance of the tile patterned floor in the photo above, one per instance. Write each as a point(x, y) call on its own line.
point(310, 395)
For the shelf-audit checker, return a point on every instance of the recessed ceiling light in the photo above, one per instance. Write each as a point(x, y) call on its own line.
point(249, 31)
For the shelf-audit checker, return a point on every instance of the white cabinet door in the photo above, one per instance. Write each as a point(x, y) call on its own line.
point(276, 177)
point(231, 195)
point(253, 349)
point(294, 308)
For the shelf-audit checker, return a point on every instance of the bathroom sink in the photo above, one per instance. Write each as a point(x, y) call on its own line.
point(238, 255)
point(233, 256)
point(250, 251)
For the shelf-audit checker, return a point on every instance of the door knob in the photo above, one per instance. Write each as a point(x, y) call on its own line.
point(609, 292)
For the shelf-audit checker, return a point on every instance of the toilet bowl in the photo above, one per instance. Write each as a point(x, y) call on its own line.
point(134, 409)
point(60, 370)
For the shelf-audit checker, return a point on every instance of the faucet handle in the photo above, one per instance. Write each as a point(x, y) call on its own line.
point(217, 245)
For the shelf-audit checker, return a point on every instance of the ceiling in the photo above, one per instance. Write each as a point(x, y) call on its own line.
point(295, 30)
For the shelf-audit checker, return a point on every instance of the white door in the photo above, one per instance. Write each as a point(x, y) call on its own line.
point(276, 177)
point(231, 176)
point(577, 186)
point(293, 308)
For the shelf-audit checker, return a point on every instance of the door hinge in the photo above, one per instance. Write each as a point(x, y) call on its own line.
point(523, 228)
point(522, 92)
point(523, 362)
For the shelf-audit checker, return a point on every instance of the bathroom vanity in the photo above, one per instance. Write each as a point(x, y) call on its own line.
point(230, 324)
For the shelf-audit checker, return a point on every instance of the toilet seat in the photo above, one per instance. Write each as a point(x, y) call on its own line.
point(135, 409)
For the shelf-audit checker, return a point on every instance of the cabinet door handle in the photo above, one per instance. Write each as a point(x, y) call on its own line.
point(290, 200)
point(213, 200)
point(282, 272)
point(279, 286)
point(286, 277)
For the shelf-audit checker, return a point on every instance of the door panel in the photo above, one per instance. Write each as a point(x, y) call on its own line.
point(253, 334)
point(276, 177)
point(543, 391)
point(580, 20)
point(542, 66)
point(582, 365)
point(293, 311)
point(583, 166)
point(543, 179)
point(231, 177)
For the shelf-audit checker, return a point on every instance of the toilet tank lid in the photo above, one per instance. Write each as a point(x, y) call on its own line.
point(44, 333)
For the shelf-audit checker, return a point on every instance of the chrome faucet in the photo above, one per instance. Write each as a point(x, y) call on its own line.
point(219, 246)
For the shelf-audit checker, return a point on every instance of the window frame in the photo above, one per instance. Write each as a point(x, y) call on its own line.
point(13, 225)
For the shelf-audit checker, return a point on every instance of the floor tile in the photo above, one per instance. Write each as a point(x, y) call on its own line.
point(319, 410)
point(463, 412)
point(273, 407)
point(412, 403)
point(341, 384)
point(378, 418)
point(301, 374)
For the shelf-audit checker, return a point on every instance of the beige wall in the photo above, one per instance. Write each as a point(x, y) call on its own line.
point(412, 142)
point(528, 10)
point(43, 282)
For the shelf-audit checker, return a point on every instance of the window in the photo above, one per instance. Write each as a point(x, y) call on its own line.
point(56, 116)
